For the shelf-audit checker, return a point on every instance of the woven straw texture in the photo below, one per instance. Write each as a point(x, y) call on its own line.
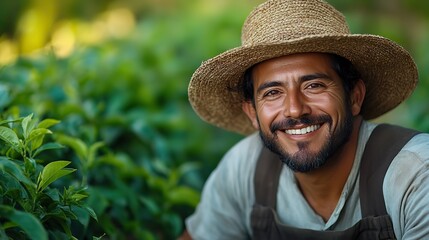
point(282, 27)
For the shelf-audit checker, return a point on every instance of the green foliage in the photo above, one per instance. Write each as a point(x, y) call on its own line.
point(126, 122)
point(30, 207)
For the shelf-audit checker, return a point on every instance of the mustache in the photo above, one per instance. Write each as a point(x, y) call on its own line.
point(304, 120)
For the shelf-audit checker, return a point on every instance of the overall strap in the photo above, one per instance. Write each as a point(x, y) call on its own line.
point(383, 145)
point(266, 178)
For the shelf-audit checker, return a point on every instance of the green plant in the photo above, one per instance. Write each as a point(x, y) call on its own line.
point(31, 207)
point(127, 123)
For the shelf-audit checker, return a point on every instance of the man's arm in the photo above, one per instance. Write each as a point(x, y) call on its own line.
point(406, 190)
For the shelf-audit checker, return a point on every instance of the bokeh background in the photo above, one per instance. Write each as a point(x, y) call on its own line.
point(115, 72)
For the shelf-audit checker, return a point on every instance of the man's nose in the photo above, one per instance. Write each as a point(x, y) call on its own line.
point(295, 105)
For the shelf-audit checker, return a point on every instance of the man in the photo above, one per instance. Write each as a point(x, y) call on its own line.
point(312, 167)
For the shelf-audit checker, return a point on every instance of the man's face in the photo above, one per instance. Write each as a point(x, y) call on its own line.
point(300, 109)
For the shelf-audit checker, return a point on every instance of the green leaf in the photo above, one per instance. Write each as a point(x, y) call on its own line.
point(26, 221)
point(9, 121)
point(47, 123)
point(91, 212)
point(183, 195)
point(93, 152)
point(47, 146)
point(27, 125)
point(30, 166)
point(81, 214)
point(36, 137)
point(9, 136)
point(78, 196)
point(52, 172)
point(76, 144)
point(14, 170)
point(36, 133)
point(150, 204)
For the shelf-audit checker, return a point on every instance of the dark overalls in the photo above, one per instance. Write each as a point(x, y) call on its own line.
point(384, 144)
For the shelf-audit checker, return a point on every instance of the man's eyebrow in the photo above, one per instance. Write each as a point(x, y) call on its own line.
point(313, 76)
point(303, 78)
point(268, 85)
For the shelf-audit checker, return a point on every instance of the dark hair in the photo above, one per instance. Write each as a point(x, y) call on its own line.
point(342, 66)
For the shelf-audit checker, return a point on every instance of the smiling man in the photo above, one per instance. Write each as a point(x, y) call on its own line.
point(301, 108)
point(303, 89)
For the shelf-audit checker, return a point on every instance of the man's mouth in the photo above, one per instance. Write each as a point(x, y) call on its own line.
point(301, 131)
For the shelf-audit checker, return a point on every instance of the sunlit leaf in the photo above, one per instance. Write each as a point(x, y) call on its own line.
point(52, 172)
point(47, 123)
point(76, 144)
point(9, 136)
point(183, 195)
point(36, 137)
point(28, 124)
point(37, 133)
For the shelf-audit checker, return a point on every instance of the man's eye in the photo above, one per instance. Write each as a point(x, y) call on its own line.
point(314, 85)
point(271, 93)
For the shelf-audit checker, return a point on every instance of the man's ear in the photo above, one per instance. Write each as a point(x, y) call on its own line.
point(357, 96)
point(250, 111)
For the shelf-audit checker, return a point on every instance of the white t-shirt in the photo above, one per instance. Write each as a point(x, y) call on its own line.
point(228, 195)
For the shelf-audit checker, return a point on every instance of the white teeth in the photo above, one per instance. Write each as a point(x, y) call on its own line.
point(302, 130)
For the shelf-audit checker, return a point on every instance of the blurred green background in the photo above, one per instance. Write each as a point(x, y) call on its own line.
point(116, 73)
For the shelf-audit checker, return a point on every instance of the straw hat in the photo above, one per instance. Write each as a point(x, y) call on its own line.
point(282, 27)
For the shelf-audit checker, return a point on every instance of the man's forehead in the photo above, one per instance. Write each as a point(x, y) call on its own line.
point(310, 61)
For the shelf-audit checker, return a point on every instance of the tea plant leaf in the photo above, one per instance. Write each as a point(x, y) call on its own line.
point(91, 212)
point(36, 137)
point(83, 214)
point(10, 137)
point(14, 170)
point(37, 133)
point(52, 172)
point(150, 204)
point(93, 152)
point(27, 125)
point(9, 121)
point(47, 146)
point(76, 144)
point(26, 221)
point(78, 196)
point(47, 123)
point(183, 195)
point(30, 166)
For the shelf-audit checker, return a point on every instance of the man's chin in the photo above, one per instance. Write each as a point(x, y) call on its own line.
point(303, 162)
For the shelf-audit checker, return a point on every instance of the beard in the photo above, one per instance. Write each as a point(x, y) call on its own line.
point(305, 160)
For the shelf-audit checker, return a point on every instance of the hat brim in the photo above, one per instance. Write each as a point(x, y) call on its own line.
point(389, 73)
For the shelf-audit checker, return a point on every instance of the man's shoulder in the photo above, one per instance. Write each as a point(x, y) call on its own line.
point(412, 159)
point(405, 184)
point(418, 146)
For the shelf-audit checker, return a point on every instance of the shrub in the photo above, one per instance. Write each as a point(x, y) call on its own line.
point(30, 207)
point(126, 123)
